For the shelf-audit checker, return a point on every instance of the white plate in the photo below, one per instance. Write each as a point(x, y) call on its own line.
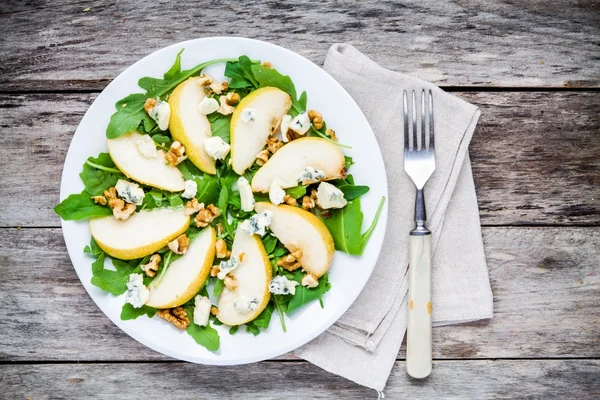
point(348, 274)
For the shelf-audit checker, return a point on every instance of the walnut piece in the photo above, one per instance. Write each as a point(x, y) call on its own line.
point(221, 249)
point(206, 216)
point(291, 262)
point(121, 210)
point(274, 144)
point(289, 200)
point(220, 229)
point(218, 87)
point(310, 281)
point(177, 316)
point(214, 311)
point(180, 245)
point(262, 157)
point(267, 64)
point(204, 80)
point(316, 118)
point(152, 267)
point(308, 203)
point(150, 104)
point(224, 107)
point(176, 154)
point(241, 256)
point(192, 207)
point(232, 98)
point(331, 133)
point(99, 200)
point(230, 282)
point(214, 271)
point(292, 135)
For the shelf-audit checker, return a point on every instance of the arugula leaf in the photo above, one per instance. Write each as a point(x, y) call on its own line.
point(239, 80)
point(130, 312)
point(348, 162)
point(175, 69)
point(220, 126)
point(350, 190)
point(223, 201)
point(189, 170)
point(218, 288)
point(345, 225)
point(264, 318)
point(163, 141)
point(208, 189)
point(95, 176)
point(80, 206)
point(296, 192)
point(174, 200)
point(111, 281)
point(305, 295)
point(367, 235)
point(93, 249)
point(233, 330)
point(206, 336)
point(269, 242)
point(253, 329)
point(271, 77)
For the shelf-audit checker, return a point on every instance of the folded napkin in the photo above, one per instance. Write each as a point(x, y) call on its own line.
point(363, 344)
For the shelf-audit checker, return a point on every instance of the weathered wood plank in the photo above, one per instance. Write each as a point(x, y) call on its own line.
point(575, 379)
point(535, 156)
point(53, 45)
point(545, 282)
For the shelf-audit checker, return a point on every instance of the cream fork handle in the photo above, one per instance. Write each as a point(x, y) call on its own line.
point(418, 341)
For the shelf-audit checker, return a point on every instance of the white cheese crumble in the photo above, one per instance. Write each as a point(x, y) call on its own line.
point(328, 196)
point(245, 304)
point(146, 147)
point(202, 307)
point(310, 175)
point(282, 285)
point(286, 121)
point(190, 188)
point(208, 105)
point(248, 115)
point(257, 224)
point(276, 193)
point(216, 147)
point(161, 113)
point(137, 294)
point(226, 267)
point(130, 192)
point(301, 123)
point(246, 195)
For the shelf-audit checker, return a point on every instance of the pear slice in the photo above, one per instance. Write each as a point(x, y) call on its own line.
point(248, 137)
point(253, 276)
point(290, 160)
point(139, 235)
point(153, 172)
point(188, 125)
point(184, 276)
point(301, 230)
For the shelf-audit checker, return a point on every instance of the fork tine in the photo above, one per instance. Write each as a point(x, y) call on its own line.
point(431, 130)
point(423, 127)
point(406, 144)
point(414, 121)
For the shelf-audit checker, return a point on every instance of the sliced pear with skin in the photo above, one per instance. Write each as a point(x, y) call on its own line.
point(290, 160)
point(153, 172)
point(301, 230)
point(141, 234)
point(184, 276)
point(253, 276)
point(188, 125)
point(248, 138)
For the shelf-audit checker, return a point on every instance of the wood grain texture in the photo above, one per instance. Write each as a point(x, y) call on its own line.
point(268, 380)
point(545, 282)
point(535, 156)
point(51, 45)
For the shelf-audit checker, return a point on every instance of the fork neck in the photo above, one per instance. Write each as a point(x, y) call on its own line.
point(420, 216)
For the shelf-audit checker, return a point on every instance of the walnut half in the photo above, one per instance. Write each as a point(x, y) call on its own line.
point(291, 262)
point(180, 245)
point(177, 316)
point(152, 267)
point(206, 216)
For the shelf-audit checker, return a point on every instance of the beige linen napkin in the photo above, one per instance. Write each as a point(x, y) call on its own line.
point(363, 344)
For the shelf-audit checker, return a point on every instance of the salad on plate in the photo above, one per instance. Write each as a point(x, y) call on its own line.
point(219, 202)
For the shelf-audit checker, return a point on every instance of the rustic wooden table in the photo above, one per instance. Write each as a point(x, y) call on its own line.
point(533, 68)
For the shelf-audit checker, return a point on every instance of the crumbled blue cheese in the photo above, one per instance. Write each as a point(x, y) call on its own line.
point(246, 195)
point(190, 188)
point(146, 147)
point(130, 192)
point(216, 147)
point(137, 294)
point(276, 193)
point(284, 127)
point(301, 123)
point(328, 196)
point(202, 307)
point(244, 304)
point(226, 267)
point(310, 175)
point(248, 115)
point(208, 105)
point(161, 113)
point(257, 224)
point(282, 285)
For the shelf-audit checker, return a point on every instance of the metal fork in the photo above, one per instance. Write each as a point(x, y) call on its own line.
point(419, 164)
